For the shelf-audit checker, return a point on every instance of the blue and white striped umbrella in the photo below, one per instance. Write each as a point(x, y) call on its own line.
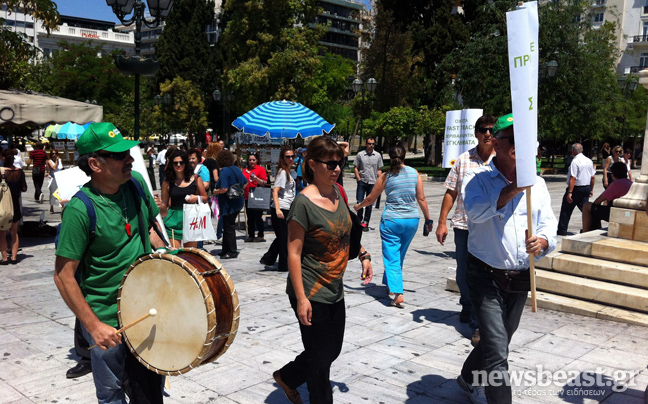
point(282, 120)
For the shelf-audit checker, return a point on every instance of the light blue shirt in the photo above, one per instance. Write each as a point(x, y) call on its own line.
point(401, 200)
point(497, 237)
point(203, 172)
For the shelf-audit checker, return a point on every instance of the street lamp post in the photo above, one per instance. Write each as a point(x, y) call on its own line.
point(370, 86)
point(230, 99)
point(138, 65)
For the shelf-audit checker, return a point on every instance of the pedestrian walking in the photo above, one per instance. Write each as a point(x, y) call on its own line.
point(368, 164)
point(37, 159)
point(404, 188)
point(580, 186)
point(283, 195)
point(256, 176)
point(616, 156)
point(230, 207)
point(319, 227)
point(498, 269)
point(15, 179)
point(54, 165)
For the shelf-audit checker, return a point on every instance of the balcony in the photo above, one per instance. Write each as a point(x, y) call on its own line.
point(634, 69)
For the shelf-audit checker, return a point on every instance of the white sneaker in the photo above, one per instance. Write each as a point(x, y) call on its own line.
point(476, 394)
point(42, 198)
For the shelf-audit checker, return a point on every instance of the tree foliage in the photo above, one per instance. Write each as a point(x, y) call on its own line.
point(188, 111)
point(270, 52)
point(183, 48)
point(15, 51)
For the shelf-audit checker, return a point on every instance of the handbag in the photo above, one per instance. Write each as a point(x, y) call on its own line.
point(259, 198)
point(197, 222)
point(6, 203)
point(235, 191)
point(355, 240)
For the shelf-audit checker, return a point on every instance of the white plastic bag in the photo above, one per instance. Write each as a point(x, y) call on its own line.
point(196, 222)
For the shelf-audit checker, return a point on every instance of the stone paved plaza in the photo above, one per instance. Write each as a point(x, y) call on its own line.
point(389, 355)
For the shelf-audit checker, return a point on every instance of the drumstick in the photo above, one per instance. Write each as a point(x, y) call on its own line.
point(151, 313)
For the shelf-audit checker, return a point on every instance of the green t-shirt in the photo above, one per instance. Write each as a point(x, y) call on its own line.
point(112, 250)
point(325, 252)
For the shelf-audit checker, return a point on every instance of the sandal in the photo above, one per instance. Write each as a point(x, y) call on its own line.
point(4, 262)
point(396, 304)
point(13, 261)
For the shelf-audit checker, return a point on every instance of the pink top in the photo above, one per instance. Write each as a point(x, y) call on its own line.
point(617, 189)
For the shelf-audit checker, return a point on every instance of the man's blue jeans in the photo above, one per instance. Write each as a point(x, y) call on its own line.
point(461, 251)
point(499, 315)
point(108, 371)
point(396, 237)
point(362, 191)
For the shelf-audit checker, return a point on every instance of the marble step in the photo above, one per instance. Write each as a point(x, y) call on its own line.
point(596, 244)
point(596, 268)
point(566, 304)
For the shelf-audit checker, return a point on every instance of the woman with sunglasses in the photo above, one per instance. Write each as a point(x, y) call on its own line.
point(283, 195)
point(180, 186)
point(404, 188)
point(256, 177)
point(319, 228)
point(616, 156)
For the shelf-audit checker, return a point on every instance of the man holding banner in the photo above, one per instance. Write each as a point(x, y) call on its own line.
point(498, 261)
point(467, 161)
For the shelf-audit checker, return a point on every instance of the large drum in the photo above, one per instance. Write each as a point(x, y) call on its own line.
point(197, 310)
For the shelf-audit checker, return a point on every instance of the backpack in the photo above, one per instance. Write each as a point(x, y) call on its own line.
point(6, 204)
point(92, 215)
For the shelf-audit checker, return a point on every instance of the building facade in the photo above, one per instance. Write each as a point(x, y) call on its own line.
point(71, 30)
point(343, 34)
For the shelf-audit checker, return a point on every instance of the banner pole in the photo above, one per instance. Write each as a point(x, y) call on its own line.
point(534, 303)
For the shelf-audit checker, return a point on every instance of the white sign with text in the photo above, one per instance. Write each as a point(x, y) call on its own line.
point(459, 134)
point(523, 47)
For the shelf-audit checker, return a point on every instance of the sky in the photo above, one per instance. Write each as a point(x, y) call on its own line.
point(95, 9)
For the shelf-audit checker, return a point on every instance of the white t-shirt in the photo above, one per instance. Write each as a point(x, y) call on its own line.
point(287, 191)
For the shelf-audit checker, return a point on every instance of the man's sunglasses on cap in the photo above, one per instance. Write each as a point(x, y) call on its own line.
point(483, 130)
point(119, 156)
point(511, 139)
point(331, 164)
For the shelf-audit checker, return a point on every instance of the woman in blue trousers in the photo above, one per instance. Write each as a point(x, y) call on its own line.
point(404, 188)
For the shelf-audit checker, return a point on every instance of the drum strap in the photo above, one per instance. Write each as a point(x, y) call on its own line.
point(140, 191)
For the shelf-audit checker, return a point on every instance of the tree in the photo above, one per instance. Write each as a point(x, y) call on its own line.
point(15, 51)
point(183, 48)
point(188, 112)
point(270, 52)
point(77, 73)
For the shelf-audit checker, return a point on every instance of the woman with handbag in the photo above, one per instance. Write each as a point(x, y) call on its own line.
point(404, 188)
point(256, 176)
point(230, 189)
point(283, 195)
point(319, 227)
point(180, 186)
point(54, 165)
point(15, 178)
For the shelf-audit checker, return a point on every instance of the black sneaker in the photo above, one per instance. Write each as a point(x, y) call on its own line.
point(266, 262)
point(81, 369)
point(475, 394)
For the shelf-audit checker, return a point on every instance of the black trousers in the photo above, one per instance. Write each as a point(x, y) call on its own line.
point(229, 234)
point(580, 196)
point(279, 246)
point(254, 221)
point(322, 345)
point(80, 344)
point(38, 184)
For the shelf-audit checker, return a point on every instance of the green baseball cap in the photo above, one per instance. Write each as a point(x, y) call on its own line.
point(503, 122)
point(103, 136)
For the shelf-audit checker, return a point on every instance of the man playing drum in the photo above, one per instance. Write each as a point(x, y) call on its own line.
point(121, 235)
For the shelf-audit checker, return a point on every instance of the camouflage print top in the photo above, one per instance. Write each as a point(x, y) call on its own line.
point(325, 252)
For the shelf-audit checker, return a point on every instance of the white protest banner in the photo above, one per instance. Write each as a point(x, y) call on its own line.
point(140, 167)
point(69, 182)
point(459, 134)
point(522, 25)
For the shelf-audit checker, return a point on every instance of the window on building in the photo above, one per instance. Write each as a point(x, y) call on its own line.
point(643, 60)
point(645, 7)
point(598, 17)
point(599, 2)
point(644, 30)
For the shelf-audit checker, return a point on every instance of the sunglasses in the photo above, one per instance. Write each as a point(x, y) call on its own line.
point(484, 130)
point(115, 156)
point(331, 164)
point(511, 139)
point(291, 156)
point(370, 144)
point(178, 163)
